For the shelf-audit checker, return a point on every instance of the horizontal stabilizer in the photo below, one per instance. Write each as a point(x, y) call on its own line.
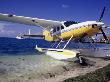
point(33, 35)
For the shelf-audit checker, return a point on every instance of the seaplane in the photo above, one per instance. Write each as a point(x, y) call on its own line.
point(60, 31)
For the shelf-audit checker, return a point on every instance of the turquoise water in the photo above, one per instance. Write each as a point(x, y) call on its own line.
point(19, 58)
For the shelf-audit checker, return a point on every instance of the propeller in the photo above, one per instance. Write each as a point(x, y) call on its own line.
point(104, 35)
point(100, 20)
point(102, 14)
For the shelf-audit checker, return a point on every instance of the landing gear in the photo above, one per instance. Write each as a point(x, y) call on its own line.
point(58, 45)
point(68, 42)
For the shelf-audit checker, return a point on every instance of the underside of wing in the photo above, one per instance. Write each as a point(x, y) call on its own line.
point(29, 21)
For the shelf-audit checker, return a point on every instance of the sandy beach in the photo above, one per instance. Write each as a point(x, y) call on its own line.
point(56, 71)
point(76, 70)
point(42, 68)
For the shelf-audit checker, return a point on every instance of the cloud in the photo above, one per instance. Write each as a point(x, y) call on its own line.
point(4, 29)
point(65, 6)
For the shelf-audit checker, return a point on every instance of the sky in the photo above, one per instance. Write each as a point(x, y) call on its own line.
point(58, 10)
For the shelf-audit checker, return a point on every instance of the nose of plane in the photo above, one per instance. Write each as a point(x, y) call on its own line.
point(100, 23)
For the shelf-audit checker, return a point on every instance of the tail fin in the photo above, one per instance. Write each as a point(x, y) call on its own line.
point(48, 36)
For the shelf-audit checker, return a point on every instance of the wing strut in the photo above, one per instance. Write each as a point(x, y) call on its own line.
point(59, 44)
point(68, 42)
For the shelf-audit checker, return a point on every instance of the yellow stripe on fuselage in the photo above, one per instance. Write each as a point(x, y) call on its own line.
point(76, 32)
point(79, 31)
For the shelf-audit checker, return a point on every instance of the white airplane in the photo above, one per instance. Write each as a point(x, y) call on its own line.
point(60, 30)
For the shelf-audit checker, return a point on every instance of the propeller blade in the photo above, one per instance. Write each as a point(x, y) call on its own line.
point(108, 27)
point(102, 14)
point(104, 35)
point(105, 27)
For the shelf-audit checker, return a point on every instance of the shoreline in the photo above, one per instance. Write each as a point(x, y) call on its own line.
point(55, 73)
point(79, 70)
point(99, 75)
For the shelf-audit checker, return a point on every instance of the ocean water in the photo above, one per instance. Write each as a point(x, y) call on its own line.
point(13, 46)
point(20, 58)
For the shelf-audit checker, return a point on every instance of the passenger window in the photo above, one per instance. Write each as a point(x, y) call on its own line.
point(58, 28)
point(93, 26)
point(54, 30)
point(62, 27)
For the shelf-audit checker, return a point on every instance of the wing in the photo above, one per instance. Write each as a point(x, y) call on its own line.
point(29, 21)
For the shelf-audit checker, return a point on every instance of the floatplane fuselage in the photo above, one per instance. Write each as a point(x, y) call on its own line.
point(72, 28)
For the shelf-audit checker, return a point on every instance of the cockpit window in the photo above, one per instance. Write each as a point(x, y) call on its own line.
point(58, 29)
point(62, 27)
point(68, 23)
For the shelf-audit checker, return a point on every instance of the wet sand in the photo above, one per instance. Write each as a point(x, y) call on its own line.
point(27, 69)
point(76, 70)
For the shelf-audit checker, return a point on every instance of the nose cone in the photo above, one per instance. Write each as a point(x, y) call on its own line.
point(100, 23)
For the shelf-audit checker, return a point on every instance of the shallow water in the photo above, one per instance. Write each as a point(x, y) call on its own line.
point(24, 64)
point(19, 57)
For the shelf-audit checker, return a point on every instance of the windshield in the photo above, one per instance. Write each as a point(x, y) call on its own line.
point(68, 23)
